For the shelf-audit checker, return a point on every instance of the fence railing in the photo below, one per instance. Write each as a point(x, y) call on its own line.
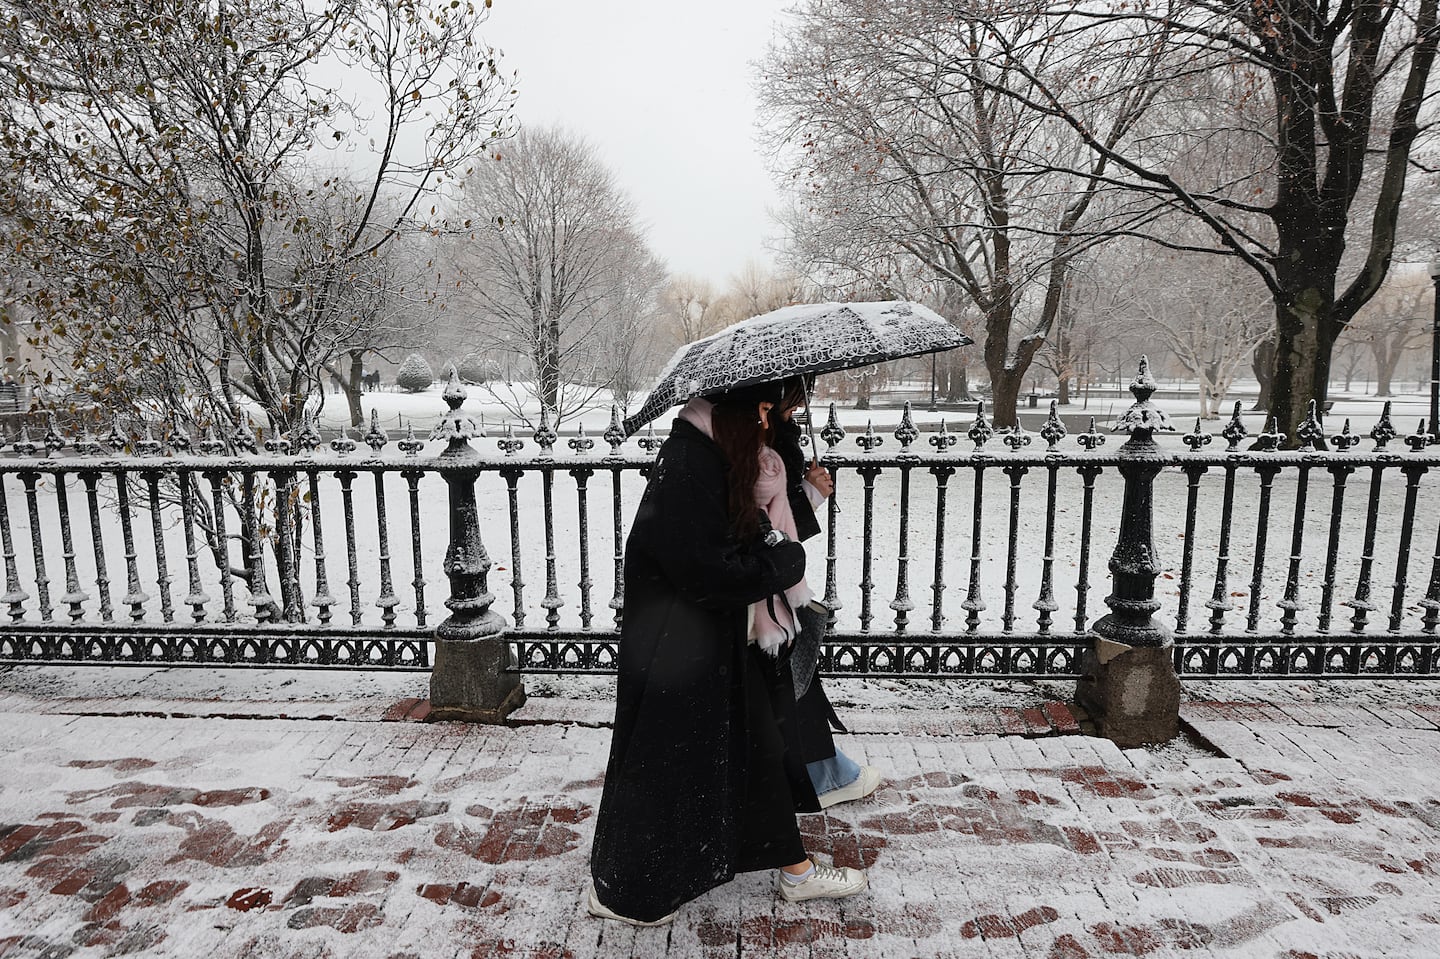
point(947, 552)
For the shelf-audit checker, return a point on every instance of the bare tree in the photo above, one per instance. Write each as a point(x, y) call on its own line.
point(1305, 115)
point(556, 268)
point(1394, 323)
point(907, 132)
point(688, 310)
point(174, 169)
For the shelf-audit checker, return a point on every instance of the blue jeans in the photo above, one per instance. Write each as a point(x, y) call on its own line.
point(827, 774)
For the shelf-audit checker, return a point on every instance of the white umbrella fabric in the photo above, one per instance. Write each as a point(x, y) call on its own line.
point(804, 339)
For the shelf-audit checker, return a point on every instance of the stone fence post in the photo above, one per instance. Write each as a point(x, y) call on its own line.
point(1128, 683)
point(475, 676)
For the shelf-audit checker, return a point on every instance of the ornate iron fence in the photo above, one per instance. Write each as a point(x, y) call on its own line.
point(936, 561)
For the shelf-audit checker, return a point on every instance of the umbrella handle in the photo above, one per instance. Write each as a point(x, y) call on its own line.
point(815, 450)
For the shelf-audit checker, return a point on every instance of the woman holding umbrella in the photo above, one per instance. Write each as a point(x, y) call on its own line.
point(789, 489)
point(705, 772)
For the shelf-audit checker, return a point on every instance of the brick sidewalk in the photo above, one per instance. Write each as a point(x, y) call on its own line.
point(1284, 828)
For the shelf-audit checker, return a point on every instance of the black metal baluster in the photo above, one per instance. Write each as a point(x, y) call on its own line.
point(517, 582)
point(1007, 616)
point(1342, 442)
point(91, 480)
point(1087, 473)
point(832, 434)
point(14, 595)
point(1052, 433)
point(1045, 604)
point(347, 501)
point(867, 583)
point(615, 436)
point(387, 600)
point(411, 446)
point(545, 438)
point(868, 441)
point(157, 532)
point(1340, 472)
point(617, 598)
point(905, 433)
point(1089, 440)
point(417, 554)
point(37, 544)
point(974, 603)
point(1291, 604)
point(902, 604)
point(1195, 440)
point(582, 444)
point(1310, 434)
point(1431, 602)
point(251, 533)
point(74, 596)
point(323, 600)
point(1219, 601)
point(1361, 603)
point(1382, 433)
point(1267, 442)
point(942, 476)
point(1413, 472)
point(979, 434)
point(195, 598)
point(222, 542)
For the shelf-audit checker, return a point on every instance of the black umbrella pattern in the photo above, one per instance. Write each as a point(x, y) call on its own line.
point(808, 338)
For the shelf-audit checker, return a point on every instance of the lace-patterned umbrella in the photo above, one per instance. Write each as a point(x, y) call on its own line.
point(809, 338)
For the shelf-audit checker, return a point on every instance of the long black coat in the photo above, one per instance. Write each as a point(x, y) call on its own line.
point(704, 775)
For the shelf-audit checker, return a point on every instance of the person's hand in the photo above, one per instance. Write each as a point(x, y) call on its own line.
point(820, 478)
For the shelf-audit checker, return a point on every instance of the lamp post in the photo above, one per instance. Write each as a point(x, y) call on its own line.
point(1435, 358)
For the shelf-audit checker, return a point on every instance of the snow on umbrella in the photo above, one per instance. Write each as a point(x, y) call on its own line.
point(809, 338)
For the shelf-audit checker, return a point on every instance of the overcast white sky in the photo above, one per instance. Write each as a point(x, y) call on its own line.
point(663, 89)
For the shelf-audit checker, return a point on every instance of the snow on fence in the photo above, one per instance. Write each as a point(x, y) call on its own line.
point(945, 553)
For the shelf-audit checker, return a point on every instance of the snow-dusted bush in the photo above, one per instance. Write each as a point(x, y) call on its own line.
point(414, 374)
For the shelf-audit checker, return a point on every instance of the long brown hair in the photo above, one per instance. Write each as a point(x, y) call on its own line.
point(738, 433)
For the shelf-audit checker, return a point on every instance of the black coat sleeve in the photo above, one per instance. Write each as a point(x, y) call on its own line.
point(682, 525)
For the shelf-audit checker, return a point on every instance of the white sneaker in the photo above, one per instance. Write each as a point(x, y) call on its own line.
point(826, 882)
point(867, 782)
point(599, 910)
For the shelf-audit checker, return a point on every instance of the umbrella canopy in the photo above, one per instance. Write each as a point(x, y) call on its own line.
point(809, 338)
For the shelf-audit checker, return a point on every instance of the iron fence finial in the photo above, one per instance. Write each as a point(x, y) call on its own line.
point(1091, 438)
point(614, 433)
point(1384, 430)
point(1196, 438)
point(981, 431)
point(1143, 419)
point(1311, 432)
point(1418, 440)
point(1053, 430)
point(344, 443)
point(1234, 430)
point(1345, 440)
point(906, 433)
point(580, 443)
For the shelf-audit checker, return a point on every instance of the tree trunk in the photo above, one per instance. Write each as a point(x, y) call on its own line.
point(353, 386)
point(1387, 358)
point(1302, 361)
point(1262, 362)
point(1005, 397)
point(1063, 392)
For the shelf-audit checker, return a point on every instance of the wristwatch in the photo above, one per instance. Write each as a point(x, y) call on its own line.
point(775, 537)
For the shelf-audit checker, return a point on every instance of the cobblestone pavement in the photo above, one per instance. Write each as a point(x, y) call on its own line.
point(1296, 821)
